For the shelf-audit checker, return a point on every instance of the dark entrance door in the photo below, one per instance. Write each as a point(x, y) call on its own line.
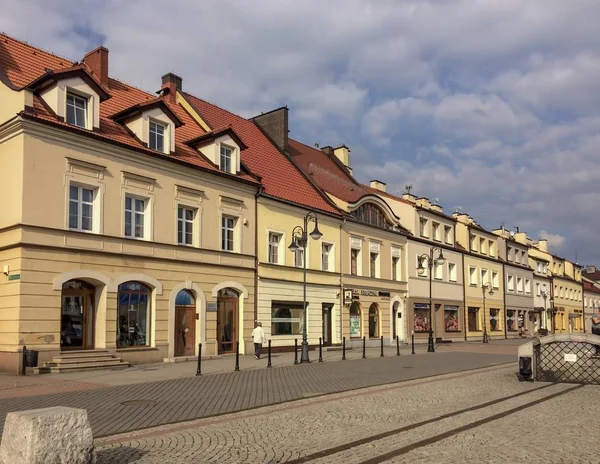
point(326, 325)
point(185, 333)
point(77, 316)
point(227, 309)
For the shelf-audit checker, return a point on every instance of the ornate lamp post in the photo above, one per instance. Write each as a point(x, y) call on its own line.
point(484, 287)
point(421, 270)
point(300, 240)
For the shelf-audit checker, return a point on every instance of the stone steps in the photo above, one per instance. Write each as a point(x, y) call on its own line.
point(81, 361)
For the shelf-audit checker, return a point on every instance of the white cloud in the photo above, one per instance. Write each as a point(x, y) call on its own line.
point(554, 240)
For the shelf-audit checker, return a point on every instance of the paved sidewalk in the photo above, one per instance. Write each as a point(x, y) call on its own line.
point(136, 405)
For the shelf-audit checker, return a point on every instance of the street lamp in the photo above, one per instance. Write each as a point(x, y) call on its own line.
point(544, 294)
point(300, 240)
point(484, 287)
point(421, 270)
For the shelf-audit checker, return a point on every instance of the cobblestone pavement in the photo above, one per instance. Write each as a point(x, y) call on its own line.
point(141, 405)
point(484, 416)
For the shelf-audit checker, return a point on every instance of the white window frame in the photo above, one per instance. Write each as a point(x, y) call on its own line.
point(396, 254)
point(510, 283)
point(473, 276)
point(156, 134)
point(94, 204)
point(495, 279)
point(86, 101)
point(330, 261)
point(528, 286)
point(186, 223)
point(519, 284)
point(356, 243)
point(448, 235)
point(224, 228)
point(423, 227)
point(231, 159)
point(482, 245)
point(271, 244)
point(147, 215)
point(377, 266)
point(484, 276)
point(452, 273)
point(436, 231)
point(492, 248)
point(474, 242)
point(438, 270)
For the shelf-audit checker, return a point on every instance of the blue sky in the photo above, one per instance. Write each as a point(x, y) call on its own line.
point(493, 106)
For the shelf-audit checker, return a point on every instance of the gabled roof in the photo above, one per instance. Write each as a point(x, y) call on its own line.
point(139, 108)
point(22, 65)
point(210, 136)
point(280, 178)
point(50, 77)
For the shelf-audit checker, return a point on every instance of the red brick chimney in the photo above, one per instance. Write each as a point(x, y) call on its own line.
point(97, 60)
point(171, 83)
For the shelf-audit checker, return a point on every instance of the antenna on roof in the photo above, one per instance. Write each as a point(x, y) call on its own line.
point(436, 200)
point(316, 144)
point(517, 229)
point(408, 188)
point(458, 209)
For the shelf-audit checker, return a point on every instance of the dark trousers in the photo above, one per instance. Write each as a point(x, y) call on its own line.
point(257, 349)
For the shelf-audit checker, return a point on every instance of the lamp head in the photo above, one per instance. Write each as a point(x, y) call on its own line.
point(441, 259)
point(293, 246)
point(420, 268)
point(316, 233)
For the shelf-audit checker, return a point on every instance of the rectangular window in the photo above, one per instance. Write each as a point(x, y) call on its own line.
point(438, 272)
point(423, 227)
point(156, 140)
point(228, 224)
point(395, 268)
point(437, 236)
point(354, 261)
point(274, 242)
point(540, 267)
point(518, 256)
point(472, 275)
point(527, 286)
point(286, 319)
point(135, 211)
point(373, 265)
point(511, 283)
point(452, 272)
point(495, 320)
point(325, 256)
point(473, 318)
point(421, 315)
point(484, 276)
point(473, 242)
point(81, 208)
point(492, 248)
point(448, 234)
point(495, 279)
point(185, 225)
point(538, 291)
point(451, 319)
point(482, 247)
point(510, 254)
point(519, 285)
point(226, 155)
point(299, 257)
point(511, 320)
point(77, 110)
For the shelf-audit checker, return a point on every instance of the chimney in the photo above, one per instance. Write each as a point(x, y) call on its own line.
point(543, 245)
point(97, 60)
point(409, 197)
point(171, 83)
point(521, 237)
point(590, 269)
point(343, 154)
point(377, 184)
point(275, 125)
point(327, 150)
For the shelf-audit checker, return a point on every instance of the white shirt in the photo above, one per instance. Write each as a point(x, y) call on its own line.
point(258, 335)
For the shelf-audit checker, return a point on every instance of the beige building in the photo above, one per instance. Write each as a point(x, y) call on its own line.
point(591, 296)
point(126, 226)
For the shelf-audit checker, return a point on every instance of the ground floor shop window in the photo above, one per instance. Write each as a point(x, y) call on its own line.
point(133, 314)
point(473, 318)
point(451, 318)
point(511, 325)
point(286, 319)
point(421, 315)
point(494, 320)
point(355, 326)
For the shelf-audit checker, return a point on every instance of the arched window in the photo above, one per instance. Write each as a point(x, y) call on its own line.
point(133, 318)
point(355, 325)
point(371, 214)
point(184, 298)
point(374, 321)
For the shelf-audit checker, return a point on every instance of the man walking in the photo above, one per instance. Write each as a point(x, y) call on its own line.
point(258, 337)
point(596, 329)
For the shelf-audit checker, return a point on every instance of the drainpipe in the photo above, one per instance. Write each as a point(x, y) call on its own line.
point(341, 251)
point(258, 194)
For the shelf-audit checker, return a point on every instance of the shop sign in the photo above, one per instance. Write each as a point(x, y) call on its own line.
point(356, 293)
point(384, 294)
point(421, 305)
point(285, 319)
point(570, 357)
point(354, 325)
point(211, 306)
point(14, 277)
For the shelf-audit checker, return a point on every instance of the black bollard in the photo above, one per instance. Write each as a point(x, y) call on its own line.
point(397, 345)
point(364, 347)
point(269, 355)
point(320, 351)
point(381, 346)
point(295, 351)
point(343, 348)
point(413, 343)
point(23, 368)
point(237, 356)
point(199, 368)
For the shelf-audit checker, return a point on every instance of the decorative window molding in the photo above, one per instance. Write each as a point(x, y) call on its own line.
point(188, 194)
point(230, 203)
point(85, 168)
point(130, 179)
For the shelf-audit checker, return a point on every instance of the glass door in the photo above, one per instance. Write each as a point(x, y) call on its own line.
point(227, 324)
point(72, 326)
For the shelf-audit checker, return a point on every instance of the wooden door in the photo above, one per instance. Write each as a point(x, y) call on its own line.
point(227, 309)
point(326, 325)
point(185, 330)
point(77, 318)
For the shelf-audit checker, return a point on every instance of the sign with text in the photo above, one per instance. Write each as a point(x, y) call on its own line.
point(211, 306)
point(570, 357)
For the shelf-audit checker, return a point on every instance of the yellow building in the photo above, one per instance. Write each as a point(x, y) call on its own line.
point(484, 283)
point(126, 226)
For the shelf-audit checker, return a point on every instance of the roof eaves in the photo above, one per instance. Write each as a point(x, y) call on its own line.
point(141, 107)
point(51, 76)
point(217, 133)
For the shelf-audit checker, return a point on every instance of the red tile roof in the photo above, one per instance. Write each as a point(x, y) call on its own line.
point(278, 174)
point(21, 64)
point(590, 287)
point(595, 276)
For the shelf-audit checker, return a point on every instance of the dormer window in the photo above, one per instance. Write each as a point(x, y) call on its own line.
point(226, 156)
point(157, 136)
point(76, 110)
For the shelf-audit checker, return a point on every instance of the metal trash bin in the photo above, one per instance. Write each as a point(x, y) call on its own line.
point(30, 358)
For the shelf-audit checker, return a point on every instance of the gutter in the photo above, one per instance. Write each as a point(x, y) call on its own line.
point(256, 263)
point(341, 280)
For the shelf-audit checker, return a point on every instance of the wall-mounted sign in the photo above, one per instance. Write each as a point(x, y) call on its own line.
point(384, 294)
point(14, 277)
point(347, 296)
point(354, 326)
point(211, 306)
point(570, 357)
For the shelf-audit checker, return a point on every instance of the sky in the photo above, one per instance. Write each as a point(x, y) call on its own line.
point(490, 106)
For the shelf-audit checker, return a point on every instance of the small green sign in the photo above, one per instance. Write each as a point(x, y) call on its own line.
point(14, 277)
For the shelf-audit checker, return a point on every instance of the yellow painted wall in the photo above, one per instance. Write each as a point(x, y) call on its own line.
point(11, 179)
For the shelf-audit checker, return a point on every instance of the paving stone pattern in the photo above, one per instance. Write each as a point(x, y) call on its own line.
point(131, 407)
point(559, 430)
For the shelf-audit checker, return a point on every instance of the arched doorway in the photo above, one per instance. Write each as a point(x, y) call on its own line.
point(227, 323)
point(395, 320)
point(185, 323)
point(77, 315)
point(355, 321)
point(374, 321)
point(133, 314)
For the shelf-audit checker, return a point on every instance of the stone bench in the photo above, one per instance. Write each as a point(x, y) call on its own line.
point(58, 435)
